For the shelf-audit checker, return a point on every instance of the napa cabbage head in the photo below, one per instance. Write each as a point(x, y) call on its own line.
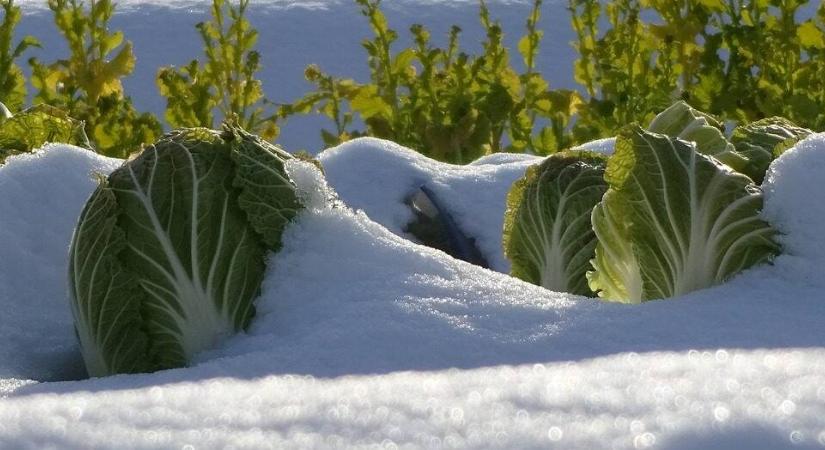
point(548, 237)
point(168, 255)
point(673, 221)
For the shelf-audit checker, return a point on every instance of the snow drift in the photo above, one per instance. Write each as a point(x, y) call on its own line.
point(365, 338)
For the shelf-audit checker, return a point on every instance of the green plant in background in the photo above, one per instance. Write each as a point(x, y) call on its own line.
point(442, 102)
point(88, 84)
point(738, 60)
point(537, 101)
point(12, 81)
point(328, 99)
point(33, 127)
point(203, 93)
point(614, 67)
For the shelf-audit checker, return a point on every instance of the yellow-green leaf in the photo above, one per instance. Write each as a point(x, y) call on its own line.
point(810, 35)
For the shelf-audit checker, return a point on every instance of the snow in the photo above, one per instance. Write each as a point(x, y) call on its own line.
point(40, 199)
point(604, 146)
point(363, 338)
point(379, 176)
point(721, 400)
point(791, 187)
point(311, 186)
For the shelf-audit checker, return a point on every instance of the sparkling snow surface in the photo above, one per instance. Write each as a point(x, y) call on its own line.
point(365, 339)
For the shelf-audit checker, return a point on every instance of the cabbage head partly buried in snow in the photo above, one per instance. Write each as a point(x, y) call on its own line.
point(673, 221)
point(168, 254)
point(547, 233)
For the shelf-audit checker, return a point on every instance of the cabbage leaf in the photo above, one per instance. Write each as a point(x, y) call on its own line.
point(682, 121)
point(172, 261)
point(765, 140)
point(673, 221)
point(548, 237)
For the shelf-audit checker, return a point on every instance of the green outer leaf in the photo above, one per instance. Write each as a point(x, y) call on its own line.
point(764, 140)
point(681, 121)
point(105, 298)
point(171, 238)
point(686, 221)
point(190, 246)
point(267, 194)
point(547, 232)
point(617, 275)
point(32, 128)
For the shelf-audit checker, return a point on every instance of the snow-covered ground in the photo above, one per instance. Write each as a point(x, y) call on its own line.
point(363, 338)
point(366, 339)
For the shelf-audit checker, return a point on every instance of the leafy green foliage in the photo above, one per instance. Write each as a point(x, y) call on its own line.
point(224, 86)
point(168, 255)
point(673, 221)
point(548, 237)
point(765, 140)
point(442, 102)
point(12, 81)
point(30, 129)
point(681, 121)
point(88, 83)
point(737, 60)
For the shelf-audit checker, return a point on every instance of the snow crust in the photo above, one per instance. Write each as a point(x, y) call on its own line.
point(796, 201)
point(41, 196)
point(311, 186)
point(604, 146)
point(365, 339)
point(379, 176)
point(707, 400)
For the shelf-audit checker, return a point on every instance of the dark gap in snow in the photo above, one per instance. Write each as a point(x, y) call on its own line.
point(435, 227)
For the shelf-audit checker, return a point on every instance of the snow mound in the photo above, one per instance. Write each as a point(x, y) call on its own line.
point(363, 338)
point(604, 146)
point(41, 196)
point(703, 400)
point(312, 188)
point(378, 177)
point(794, 198)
